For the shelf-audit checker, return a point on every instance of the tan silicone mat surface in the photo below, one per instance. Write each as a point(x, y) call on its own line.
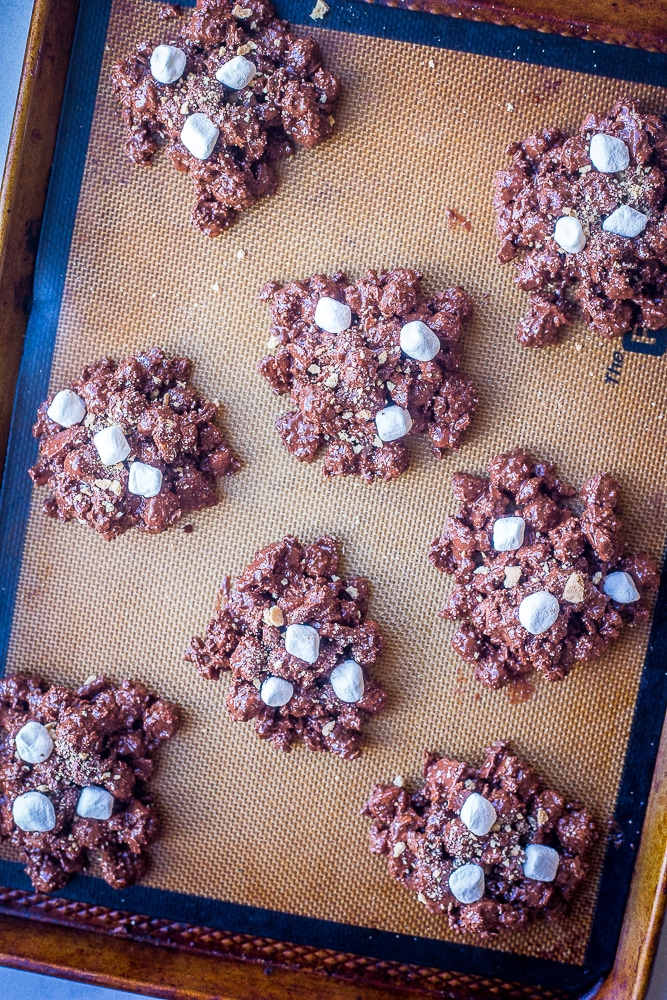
point(419, 130)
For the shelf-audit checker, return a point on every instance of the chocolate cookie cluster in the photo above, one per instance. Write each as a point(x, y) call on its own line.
point(366, 364)
point(542, 577)
point(75, 768)
point(582, 216)
point(231, 94)
point(491, 847)
point(295, 637)
point(130, 445)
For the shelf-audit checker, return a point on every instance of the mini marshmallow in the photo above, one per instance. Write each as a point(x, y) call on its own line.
point(333, 316)
point(167, 63)
point(145, 480)
point(538, 612)
point(541, 863)
point(94, 803)
point(199, 135)
point(392, 423)
point(418, 341)
point(478, 814)
point(276, 691)
point(34, 813)
point(66, 408)
point(608, 154)
point(303, 641)
point(467, 883)
point(347, 680)
point(237, 73)
point(508, 533)
point(625, 221)
point(569, 235)
point(111, 444)
point(34, 743)
point(621, 587)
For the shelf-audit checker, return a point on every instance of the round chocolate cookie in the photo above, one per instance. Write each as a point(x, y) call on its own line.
point(295, 637)
point(229, 95)
point(75, 768)
point(489, 846)
point(130, 445)
point(366, 364)
point(584, 215)
point(542, 577)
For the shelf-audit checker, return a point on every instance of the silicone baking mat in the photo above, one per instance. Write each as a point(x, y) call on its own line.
point(255, 840)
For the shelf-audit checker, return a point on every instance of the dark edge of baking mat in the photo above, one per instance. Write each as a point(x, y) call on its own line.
point(60, 213)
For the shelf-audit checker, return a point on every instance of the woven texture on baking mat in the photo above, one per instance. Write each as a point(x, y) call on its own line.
point(418, 130)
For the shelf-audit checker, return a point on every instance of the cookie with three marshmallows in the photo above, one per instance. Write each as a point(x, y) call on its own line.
point(294, 635)
point(489, 848)
point(367, 364)
point(542, 575)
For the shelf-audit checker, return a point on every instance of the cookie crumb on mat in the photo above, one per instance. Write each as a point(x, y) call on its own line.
point(320, 10)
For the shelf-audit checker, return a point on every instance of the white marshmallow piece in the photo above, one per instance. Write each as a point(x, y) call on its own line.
point(625, 221)
point(333, 316)
point(276, 691)
point(467, 883)
point(111, 444)
point(569, 235)
point(621, 588)
point(303, 641)
point(66, 408)
point(237, 73)
point(392, 423)
point(34, 813)
point(145, 480)
point(199, 135)
point(541, 863)
point(347, 680)
point(478, 814)
point(95, 803)
point(167, 63)
point(508, 533)
point(33, 743)
point(608, 154)
point(418, 341)
point(538, 612)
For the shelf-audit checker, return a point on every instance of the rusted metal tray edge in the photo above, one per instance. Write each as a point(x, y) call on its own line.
point(158, 957)
point(596, 26)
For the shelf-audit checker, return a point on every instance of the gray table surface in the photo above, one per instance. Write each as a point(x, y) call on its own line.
point(14, 23)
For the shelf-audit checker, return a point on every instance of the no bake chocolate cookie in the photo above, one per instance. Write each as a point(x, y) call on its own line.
point(491, 847)
point(366, 364)
point(228, 96)
point(75, 768)
point(295, 637)
point(542, 576)
point(130, 445)
point(583, 217)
